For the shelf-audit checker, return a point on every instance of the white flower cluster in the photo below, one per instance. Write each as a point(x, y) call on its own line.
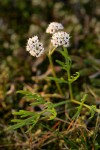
point(53, 27)
point(34, 47)
point(60, 39)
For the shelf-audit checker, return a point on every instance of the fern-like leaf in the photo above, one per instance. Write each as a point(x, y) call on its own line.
point(74, 77)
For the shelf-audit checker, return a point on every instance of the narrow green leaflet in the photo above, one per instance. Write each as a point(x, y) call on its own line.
point(51, 110)
point(64, 53)
point(74, 77)
point(37, 103)
point(60, 63)
point(59, 80)
point(80, 107)
point(23, 113)
point(36, 97)
point(30, 95)
point(16, 120)
point(31, 118)
point(16, 126)
point(92, 111)
point(29, 121)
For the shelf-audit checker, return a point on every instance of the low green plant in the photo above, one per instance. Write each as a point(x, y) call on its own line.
point(49, 112)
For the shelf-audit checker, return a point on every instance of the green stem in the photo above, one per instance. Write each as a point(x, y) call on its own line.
point(76, 102)
point(61, 103)
point(51, 52)
point(70, 86)
point(85, 105)
point(54, 74)
point(68, 72)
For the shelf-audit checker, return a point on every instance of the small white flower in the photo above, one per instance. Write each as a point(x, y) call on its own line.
point(60, 39)
point(54, 27)
point(34, 47)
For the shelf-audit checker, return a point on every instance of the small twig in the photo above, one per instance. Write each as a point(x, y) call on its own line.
point(14, 145)
point(52, 140)
point(70, 124)
point(46, 136)
point(30, 140)
point(53, 95)
point(54, 74)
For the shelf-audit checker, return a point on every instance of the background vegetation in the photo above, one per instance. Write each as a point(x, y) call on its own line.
point(21, 19)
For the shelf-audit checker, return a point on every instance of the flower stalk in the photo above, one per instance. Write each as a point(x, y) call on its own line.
point(76, 102)
point(54, 74)
point(69, 83)
point(68, 71)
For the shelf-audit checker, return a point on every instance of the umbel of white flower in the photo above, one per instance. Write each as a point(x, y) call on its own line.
point(60, 39)
point(54, 27)
point(34, 47)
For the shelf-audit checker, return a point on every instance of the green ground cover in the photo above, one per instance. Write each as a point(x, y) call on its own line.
point(19, 20)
